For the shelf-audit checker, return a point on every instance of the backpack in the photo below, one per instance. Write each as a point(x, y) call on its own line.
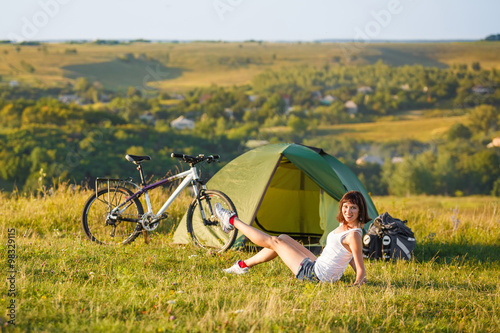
point(388, 238)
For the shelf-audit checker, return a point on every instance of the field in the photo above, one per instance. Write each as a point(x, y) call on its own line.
point(422, 129)
point(65, 283)
point(401, 128)
point(181, 66)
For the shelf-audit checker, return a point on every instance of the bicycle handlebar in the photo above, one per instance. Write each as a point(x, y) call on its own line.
point(178, 155)
point(196, 159)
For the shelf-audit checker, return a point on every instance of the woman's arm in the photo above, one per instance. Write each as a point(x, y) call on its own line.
point(353, 265)
point(356, 246)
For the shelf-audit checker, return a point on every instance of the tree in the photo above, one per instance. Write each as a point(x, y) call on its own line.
point(214, 110)
point(486, 164)
point(459, 131)
point(491, 38)
point(484, 118)
point(274, 105)
point(10, 115)
point(297, 124)
point(135, 107)
point(369, 175)
point(206, 127)
point(133, 92)
point(478, 171)
point(221, 126)
point(30, 115)
point(410, 177)
point(496, 188)
point(332, 114)
point(82, 85)
point(445, 173)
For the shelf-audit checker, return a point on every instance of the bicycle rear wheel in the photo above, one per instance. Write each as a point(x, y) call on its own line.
point(98, 224)
point(210, 236)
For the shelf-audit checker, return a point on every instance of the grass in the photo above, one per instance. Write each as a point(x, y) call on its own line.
point(187, 65)
point(439, 55)
point(413, 127)
point(423, 129)
point(65, 283)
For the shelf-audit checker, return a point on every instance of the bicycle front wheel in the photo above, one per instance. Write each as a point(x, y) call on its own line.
point(210, 235)
point(103, 227)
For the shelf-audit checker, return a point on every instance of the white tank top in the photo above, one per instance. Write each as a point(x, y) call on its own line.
point(333, 261)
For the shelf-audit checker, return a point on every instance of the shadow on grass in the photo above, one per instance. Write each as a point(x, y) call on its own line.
point(447, 252)
point(398, 57)
point(452, 286)
point(119, 74)
point(440, 253)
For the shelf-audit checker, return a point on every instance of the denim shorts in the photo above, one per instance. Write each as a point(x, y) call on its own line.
point(306, 271)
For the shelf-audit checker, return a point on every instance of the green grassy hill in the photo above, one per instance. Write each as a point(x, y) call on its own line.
point(180, 66)
point(420, 129)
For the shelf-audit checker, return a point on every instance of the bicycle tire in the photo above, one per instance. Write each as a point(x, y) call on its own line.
point(95, 215)
point(210, 237)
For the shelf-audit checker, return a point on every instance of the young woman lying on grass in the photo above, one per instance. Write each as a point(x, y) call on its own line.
point(343, 245)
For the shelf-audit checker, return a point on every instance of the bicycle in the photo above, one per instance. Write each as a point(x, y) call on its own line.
point(115, 215)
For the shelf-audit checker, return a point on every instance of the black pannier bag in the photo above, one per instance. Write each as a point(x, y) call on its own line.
point(388, 238)
point(372, 246)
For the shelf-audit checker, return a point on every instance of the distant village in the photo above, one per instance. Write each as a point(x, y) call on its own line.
point(182, 123)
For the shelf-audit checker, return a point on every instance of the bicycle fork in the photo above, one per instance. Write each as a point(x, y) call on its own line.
point(212, 220)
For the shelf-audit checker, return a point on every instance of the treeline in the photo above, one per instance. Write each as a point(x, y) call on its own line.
point(69, 143)
point(42, 138)
point(491, 38)
point(457, 164)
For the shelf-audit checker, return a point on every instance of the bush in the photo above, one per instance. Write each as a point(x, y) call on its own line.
point(459, 131)
point(496, 188)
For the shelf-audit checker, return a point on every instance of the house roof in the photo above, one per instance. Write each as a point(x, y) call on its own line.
point(181, 120)
point(365, 89)
point(494, 143)
point(369, 159)
point(351, 105)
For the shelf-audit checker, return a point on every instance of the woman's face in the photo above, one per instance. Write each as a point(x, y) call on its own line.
point(350, 212)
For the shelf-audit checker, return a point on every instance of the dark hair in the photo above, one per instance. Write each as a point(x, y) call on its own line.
point(358, 199)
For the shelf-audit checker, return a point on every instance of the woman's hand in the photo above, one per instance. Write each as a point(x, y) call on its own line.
point(360, 282)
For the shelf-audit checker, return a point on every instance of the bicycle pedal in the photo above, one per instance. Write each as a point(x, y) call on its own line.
point(145, 234)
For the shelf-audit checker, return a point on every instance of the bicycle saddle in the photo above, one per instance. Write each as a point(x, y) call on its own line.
point(137, 159)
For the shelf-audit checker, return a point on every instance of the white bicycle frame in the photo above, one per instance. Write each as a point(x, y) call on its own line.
point(190, 176)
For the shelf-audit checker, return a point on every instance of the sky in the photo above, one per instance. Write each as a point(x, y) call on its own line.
point(240, 20)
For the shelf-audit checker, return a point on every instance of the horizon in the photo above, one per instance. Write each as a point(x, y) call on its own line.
point(239, 20)
point(327, 40)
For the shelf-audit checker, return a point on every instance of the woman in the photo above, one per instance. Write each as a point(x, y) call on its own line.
point(343, 245)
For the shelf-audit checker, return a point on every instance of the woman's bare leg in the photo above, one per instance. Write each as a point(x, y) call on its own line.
point(258, 237)
point(266, 255)
point(289, 250)
point(263, 255)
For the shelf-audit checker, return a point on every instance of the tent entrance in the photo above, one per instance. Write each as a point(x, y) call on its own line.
point(291, 205)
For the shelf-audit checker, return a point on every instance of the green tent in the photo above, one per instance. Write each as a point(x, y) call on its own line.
point(286, 188)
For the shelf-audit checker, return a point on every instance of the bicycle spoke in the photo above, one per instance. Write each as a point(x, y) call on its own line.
point(98, 224)
point(209, 236)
